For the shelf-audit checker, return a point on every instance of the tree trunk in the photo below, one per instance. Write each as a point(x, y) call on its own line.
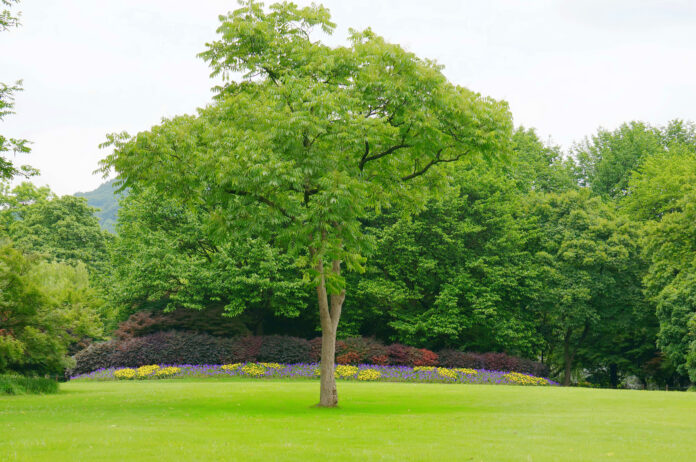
point(328, 397)
point(329, 316)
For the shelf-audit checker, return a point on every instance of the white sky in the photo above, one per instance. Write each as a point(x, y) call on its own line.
point(566, 67)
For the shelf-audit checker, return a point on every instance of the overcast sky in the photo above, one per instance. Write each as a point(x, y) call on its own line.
point(565, 67)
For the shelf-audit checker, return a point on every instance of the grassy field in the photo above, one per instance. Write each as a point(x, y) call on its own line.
point(210, 420)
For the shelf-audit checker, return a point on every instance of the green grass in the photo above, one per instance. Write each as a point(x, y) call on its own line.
point(210, 420)
point(18, 385)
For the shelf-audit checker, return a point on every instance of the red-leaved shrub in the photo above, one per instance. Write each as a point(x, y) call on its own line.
point(348, 358)
point(423, 357)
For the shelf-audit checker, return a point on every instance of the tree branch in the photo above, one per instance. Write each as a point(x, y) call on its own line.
point(365, 158)
point(262, 200)
point(435, 161)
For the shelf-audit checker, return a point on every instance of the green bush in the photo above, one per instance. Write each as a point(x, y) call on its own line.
point(20, 385)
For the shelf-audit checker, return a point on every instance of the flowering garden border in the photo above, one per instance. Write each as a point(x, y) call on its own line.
point(362, 372)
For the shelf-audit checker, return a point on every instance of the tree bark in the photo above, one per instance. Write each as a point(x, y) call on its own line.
point(329, 314)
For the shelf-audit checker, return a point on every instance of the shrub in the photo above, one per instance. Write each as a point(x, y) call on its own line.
point(245, 349)
point(380, 360)
point(206, 321)
point(20, 385)
point(362, 348)
point(454, 358)
point(96, 356)
point(165, 348)
point(423, 357)
point(287, 350)
point(399, 355)
point(315, 350)
point(349, 358)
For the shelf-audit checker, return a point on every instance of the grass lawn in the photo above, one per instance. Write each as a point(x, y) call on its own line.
point(211, 420)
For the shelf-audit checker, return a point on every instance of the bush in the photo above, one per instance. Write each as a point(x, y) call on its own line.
point(19, 385)
point(362, 348)
point(349, 358)
point(281, 349)
point(207, 321)
point(454, 358)
point(423, 357)
point(181, 347)
point(400, 355)
point(315, 350)
point(166, 348)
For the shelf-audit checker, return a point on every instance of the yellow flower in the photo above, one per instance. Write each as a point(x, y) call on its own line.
point(230, 367)
point(254, 370)
point(346, 371)
point(466, 370)
point(523, 379)
point(444, 372)
point(145, 371)
point(167, 371)
point(272, 365)
point(369, 374)
point(424, 368)
point(126, 373)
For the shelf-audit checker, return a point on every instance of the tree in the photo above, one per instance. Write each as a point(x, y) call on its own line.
point(585, 253)
point(309, 140)
point(663, 199)
point(16, 146)
point(164, 259)
point(456, 274)
point(44, 309)
point(607, 160)
point(61, 228)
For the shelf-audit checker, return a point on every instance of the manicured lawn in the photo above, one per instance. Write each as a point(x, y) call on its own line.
point(211, 420)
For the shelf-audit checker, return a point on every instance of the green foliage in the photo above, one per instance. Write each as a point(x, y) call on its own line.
point(44, 309)
point(587, 258)
point(663, 198)
point(63, 229)
point(10, 145)
point(607, 160)
point(165, 259)
point(312, 138)
point(20, 385)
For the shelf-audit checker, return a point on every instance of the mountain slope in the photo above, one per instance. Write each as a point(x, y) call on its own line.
point(106, 201)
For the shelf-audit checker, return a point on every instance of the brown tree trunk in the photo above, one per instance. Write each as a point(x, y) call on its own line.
point(329, 314)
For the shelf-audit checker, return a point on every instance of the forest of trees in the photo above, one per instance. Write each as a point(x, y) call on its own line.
point(584, 260)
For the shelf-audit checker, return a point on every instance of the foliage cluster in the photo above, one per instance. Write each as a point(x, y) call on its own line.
point(12, 384)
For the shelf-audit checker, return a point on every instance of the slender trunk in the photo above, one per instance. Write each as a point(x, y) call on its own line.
point(329, 314)
point(328, 397)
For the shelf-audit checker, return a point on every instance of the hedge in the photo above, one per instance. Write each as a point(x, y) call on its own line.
point(182, 347)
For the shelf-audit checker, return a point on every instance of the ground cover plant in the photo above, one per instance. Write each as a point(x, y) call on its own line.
point(252, 420)
point(20, 385)
point(362, 372)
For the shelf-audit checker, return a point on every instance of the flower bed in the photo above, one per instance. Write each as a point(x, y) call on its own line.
point(362, 372)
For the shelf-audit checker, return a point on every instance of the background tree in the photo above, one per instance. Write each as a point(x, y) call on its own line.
point(310, 140)
point(44, 309)
point(8, 20)
point(663, 198)
point(164, 259)
point(584, 251)
point(61, 228)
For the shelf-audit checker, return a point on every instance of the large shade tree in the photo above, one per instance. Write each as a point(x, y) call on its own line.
point(305, 139)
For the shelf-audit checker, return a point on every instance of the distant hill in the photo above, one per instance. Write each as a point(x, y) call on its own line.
point(106, 201)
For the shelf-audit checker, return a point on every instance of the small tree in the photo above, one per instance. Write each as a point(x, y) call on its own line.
point(308, 140)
